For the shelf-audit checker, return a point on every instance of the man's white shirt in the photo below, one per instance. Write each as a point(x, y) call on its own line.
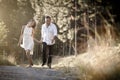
point(48, 33)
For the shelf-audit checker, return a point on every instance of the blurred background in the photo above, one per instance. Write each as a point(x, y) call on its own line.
point(84, 27)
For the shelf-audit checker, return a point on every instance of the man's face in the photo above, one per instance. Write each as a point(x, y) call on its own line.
point(47, 21)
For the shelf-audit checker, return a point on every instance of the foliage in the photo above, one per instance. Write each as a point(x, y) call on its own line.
point(14, 14)
point(75, 20)
point(3, 34)
point(5, 62)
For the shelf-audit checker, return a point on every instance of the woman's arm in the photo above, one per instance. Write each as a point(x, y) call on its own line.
point(33, 33)
point(21, 35)
point(42, 33)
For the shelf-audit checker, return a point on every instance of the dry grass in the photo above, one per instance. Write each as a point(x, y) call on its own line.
point(100, 62)
point(6, 61)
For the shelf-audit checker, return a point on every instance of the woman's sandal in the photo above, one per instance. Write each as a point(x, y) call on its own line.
point(30, 65)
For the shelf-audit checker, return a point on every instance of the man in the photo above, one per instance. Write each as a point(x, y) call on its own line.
point(48, 36)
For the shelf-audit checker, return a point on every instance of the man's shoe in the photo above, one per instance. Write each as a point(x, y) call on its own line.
point(43, 64)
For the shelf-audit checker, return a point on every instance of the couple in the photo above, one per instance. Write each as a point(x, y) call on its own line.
point(48, 36)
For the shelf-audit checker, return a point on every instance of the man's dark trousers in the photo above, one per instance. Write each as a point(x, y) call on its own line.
point(47, 54)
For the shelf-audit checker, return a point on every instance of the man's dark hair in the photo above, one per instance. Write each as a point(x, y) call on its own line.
point(48, 17)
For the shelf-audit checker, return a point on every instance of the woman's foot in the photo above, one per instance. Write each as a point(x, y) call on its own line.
point(30, 65)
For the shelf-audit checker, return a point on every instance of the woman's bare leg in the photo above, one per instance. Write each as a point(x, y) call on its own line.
point(29, 57)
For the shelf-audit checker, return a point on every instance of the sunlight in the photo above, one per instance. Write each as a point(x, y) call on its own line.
point(87, 35)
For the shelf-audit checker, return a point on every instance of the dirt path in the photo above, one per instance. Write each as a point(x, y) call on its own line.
point(22, 73)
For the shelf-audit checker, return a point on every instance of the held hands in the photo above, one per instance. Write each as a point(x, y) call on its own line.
point(40, 41)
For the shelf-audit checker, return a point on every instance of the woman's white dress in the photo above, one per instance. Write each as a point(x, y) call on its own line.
point(28, 42)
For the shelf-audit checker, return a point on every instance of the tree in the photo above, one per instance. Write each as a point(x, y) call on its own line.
point(76, 20)
point(14, 14)
point(3, 34)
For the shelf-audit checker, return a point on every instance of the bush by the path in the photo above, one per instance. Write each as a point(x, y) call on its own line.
point(5, 62)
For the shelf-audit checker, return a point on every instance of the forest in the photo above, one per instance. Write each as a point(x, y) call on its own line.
point(88, 34)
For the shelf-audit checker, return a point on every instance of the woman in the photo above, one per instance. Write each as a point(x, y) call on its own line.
point(27, 39)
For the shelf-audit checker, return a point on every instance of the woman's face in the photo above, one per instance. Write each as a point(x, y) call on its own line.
point(31, 23)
